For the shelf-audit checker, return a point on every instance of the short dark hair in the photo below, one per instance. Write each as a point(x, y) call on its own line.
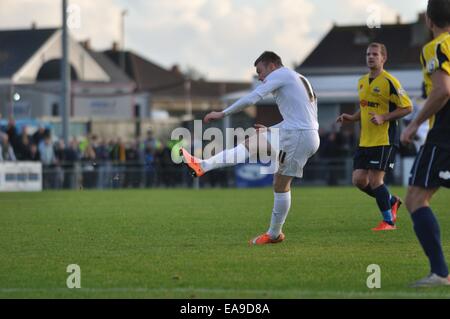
point(269, 57)
point(439, 12)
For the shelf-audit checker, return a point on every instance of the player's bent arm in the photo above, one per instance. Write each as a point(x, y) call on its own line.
point(398, 113)
point(357, 116)
point(213, 116)
point(437, 98)
point(237, 106)
point(250, 99)
point(242, 103)
point(349, 118)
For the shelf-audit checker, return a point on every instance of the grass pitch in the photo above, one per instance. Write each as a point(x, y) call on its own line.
point(193, 244)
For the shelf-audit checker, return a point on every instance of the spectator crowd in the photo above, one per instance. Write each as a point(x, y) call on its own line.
point(93, 162)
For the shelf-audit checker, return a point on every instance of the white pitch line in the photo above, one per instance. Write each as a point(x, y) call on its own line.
point(298, 293)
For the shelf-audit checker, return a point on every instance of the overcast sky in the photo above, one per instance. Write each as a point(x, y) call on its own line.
point(219, 38)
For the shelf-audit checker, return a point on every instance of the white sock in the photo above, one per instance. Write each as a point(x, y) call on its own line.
point(281, 205)
point(226, 158)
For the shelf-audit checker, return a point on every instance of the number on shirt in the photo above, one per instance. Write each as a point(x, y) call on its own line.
point(311, 94)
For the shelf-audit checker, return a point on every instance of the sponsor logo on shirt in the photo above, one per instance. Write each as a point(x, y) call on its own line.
point(365, 103)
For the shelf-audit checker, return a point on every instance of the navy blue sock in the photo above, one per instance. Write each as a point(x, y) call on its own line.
point(369, 191)
point(427, 231)
point(383, 201)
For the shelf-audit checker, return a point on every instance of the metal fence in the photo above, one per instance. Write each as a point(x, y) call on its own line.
point(113, 175)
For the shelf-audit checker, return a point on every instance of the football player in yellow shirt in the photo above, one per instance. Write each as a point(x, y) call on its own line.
point(431, 168)
point(382, 102)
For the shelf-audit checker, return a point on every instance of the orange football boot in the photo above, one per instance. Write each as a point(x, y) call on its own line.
point(384, 226)
point(265, 239)
point(193, 163)
point(395, 207)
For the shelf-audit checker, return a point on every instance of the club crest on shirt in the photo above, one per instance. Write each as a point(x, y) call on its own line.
point(401, 91)
point(431, 65)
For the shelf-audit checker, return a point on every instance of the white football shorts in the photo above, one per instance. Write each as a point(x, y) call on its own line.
point(294, 149)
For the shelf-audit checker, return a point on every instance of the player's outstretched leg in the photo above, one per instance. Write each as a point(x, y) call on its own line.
point(193, 163)
point(225, 158)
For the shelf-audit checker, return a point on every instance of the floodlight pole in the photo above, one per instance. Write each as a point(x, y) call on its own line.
point(226, 122)
point(123, 13)
point(65, 76)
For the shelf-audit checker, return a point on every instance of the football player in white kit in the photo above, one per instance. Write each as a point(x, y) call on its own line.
point(298, 135)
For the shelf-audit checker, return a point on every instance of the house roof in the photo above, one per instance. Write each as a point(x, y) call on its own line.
point(208, 89)
point(147, 75)
point(114, 72)
point(18, 46)
point(162, 82)
point(343, 48)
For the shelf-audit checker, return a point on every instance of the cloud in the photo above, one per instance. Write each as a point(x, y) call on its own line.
point(368, 11)
point(219, 38)
point(20, 14)
point(98, 20)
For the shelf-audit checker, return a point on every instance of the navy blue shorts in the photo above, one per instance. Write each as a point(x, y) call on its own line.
point(380, 158)
point(431, 168)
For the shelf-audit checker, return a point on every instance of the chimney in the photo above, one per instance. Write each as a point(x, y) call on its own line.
point(115, 46)
point(420, 33)
point(421, 17)
point(86, 44)
point(398, 19)
point(33, 25)
point(175, 69)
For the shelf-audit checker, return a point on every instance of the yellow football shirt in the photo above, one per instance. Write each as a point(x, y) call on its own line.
point(380, 96)
point(435, 56)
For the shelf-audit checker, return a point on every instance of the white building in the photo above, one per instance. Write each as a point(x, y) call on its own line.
point(30, 87)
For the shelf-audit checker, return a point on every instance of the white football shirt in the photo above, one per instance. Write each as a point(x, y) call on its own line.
point(293, 94)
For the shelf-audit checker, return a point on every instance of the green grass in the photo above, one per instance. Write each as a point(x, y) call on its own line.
point(193, 244)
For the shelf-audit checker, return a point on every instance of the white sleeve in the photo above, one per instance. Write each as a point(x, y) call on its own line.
point(252, 98)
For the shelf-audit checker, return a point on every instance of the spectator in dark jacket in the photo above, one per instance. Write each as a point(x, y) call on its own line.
point(6, 150)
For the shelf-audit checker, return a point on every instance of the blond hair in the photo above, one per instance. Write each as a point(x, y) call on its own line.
point(381, 46)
